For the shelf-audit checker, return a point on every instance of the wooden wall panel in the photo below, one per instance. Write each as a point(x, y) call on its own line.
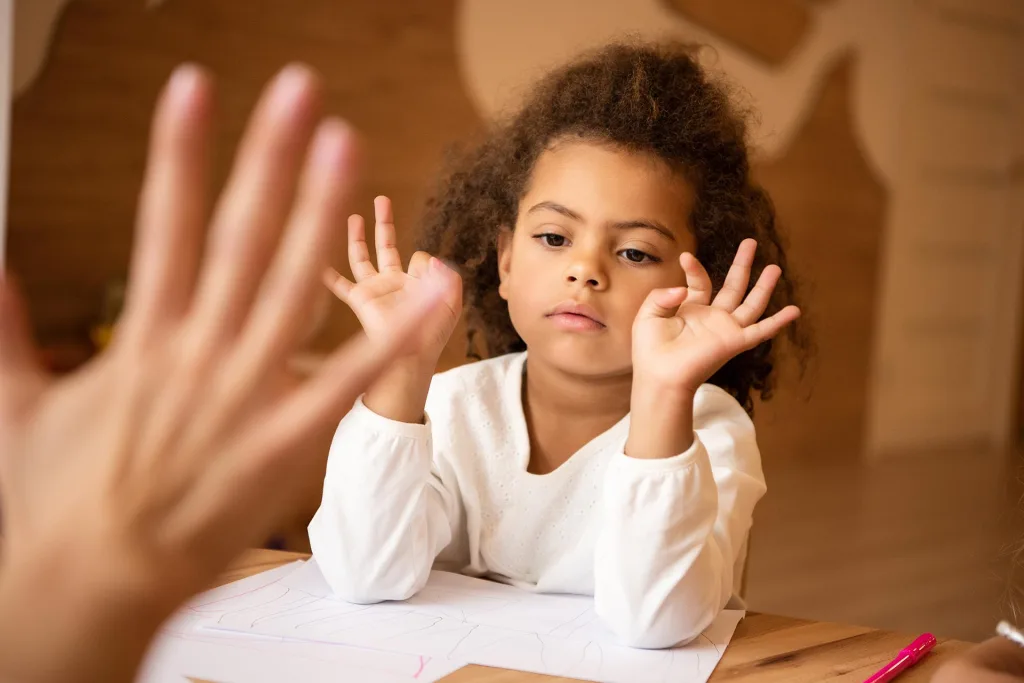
point(769, 29)
point(832, 210)
point(78, 134)
point(78, 142)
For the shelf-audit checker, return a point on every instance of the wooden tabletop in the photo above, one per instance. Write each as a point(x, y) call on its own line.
point(765, 649)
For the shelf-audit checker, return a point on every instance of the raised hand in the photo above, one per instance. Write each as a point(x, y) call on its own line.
point(132, 483)
point(681, 337)
point(378, 294)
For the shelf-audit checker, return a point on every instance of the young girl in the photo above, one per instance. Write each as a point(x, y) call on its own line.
point(606, 235)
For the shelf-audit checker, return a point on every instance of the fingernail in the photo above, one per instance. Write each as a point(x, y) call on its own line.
point(329, 143)
point(290, 84)
point(184, 80)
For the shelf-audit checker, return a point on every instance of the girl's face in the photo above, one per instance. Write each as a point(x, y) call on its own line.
point(597, 230)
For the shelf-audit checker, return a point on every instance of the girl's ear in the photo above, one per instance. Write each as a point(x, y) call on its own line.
point(504, 260)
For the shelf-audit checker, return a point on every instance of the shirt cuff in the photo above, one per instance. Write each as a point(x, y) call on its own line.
point(372, 422)
point(643, 466)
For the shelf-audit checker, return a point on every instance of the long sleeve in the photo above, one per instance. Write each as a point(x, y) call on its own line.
point(385, 514)
point(672, 530)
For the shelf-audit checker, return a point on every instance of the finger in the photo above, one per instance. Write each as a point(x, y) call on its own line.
point(769, 327)
point(251, 213)
point(172, 204)
point(358, 253)
point(285, 301)
point(697, 281)
point(339, 285)
point(347, 373)
point(754, 306)
point(238, 485)
point(662, 303)
point(18, 357)
point(384, 237)
point(738, 277)
point(443, 278)
point(419, 264)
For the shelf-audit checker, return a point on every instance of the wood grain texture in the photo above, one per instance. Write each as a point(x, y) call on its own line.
point(766, 648)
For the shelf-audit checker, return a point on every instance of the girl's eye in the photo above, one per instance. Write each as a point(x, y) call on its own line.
point(637, 256)
point(552, 240)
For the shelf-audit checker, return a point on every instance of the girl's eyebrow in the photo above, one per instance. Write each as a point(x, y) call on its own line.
point(557, 208)
point(645, 223)
point(620, 225)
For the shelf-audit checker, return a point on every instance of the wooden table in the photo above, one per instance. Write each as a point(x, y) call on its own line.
point(765, 649)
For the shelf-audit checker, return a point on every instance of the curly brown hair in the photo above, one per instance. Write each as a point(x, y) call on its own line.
point(647, 98)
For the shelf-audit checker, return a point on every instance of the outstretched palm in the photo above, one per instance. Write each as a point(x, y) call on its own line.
point(379, 294)
point(681, 337)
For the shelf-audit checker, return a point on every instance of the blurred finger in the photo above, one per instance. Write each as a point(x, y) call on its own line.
point(280, 313)
point(384, 236)
point(250, 216)
point(19, 363)
point(172, 205)
point(346, 374)
point(697, 281)
point(241, 487)
point(358, 252)
point(757, 301)
point(738, 277)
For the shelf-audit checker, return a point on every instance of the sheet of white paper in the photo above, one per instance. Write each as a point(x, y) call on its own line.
point(185, 650)
point(457, 620)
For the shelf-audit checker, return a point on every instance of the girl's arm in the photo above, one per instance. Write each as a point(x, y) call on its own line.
point(674, 529)
point(385, 513)
point(678, 502)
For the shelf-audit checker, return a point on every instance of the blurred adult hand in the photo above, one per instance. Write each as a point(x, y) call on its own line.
point(129, 485)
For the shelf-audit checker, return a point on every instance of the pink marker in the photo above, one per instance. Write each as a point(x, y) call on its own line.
point(908, 657)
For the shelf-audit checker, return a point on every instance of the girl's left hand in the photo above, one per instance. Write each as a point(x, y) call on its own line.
point(681, 337)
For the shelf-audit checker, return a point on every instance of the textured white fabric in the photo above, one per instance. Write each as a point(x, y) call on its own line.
point(659, 543)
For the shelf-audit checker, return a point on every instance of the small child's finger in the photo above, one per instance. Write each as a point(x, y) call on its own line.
point(358, 252)
point(419, 263)
point(339, 285)
point(663, 303)
point(697, 281)
point(757, 301)
point(738, 277)
point(384, 235)
point(766, 329)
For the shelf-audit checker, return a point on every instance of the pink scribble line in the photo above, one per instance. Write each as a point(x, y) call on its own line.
point(423, 665)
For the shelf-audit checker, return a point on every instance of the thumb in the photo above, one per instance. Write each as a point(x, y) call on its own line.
point(447, 280)
point(662, 303)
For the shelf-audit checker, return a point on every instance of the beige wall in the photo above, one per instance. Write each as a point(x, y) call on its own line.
point(413, 76)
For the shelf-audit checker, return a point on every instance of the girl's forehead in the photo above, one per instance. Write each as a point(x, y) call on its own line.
point(600, 182)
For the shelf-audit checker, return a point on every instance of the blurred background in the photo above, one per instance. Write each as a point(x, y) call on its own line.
point(890, 134)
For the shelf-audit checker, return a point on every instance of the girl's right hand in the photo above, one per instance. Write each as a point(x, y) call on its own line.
point(378, 295)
